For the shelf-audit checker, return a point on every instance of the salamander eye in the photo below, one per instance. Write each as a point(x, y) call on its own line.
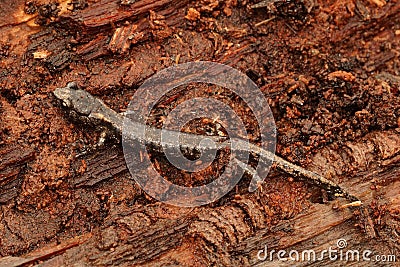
point(66, 103)
point(73, 85)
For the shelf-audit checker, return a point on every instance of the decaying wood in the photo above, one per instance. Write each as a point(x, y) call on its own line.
point(12, 160)
point(94, 49)
point(43, 254)
point(237, 231)
point(137, 23)
point(119, 40)
point(54, 44)
point(110, 12)
point(100, 166)
point(132, 230)
point(352, 30)
point(231, 232)
point(105, 27)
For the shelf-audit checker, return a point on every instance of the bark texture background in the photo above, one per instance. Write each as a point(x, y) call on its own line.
point(330, 71)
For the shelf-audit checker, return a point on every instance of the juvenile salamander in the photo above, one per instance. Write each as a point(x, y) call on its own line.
point(86, 105)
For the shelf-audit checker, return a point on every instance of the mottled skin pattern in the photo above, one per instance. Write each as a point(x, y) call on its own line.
point(89, 107)
point(86, 105)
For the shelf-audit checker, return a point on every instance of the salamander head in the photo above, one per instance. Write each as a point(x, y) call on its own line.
point(76, 99)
